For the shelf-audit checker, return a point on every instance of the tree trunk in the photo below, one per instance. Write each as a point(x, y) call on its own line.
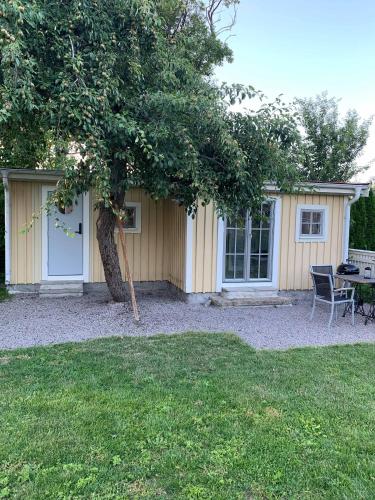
point(105, 234)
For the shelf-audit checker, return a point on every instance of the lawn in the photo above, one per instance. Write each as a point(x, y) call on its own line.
point(3, 293)
point(190, 416)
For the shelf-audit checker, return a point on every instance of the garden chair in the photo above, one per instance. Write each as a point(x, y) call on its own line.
point(323, 269)
point(325, 292)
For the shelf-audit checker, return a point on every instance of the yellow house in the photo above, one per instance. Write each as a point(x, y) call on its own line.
point(200, 255)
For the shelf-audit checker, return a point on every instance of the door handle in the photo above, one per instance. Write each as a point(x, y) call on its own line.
point(79, 228)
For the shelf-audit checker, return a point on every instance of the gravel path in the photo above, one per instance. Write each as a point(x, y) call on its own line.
point(30, 321)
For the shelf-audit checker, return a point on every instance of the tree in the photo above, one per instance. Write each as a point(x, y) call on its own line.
point(2, 237)
point(129, 84)
point(331, 145)
point(362, 223)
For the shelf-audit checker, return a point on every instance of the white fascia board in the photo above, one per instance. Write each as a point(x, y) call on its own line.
point(32, 175)
point(324, 188)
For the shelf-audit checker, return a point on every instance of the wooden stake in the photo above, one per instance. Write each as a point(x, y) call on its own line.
point(127, 269)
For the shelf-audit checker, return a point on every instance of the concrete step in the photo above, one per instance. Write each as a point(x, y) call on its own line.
point(251, 301)
point(57, 289)
point(249, 292)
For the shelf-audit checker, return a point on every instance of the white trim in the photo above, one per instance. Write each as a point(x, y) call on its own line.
point(189, 254)
point(323, 188)
point(7, 223)
point(220, 254)
point(86, 241)
point(320, 238)
point(346, 235)
point(274, 282)
point(344, 188)
point(138, 217)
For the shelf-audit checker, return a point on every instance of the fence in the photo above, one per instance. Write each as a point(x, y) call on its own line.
point(362, 259)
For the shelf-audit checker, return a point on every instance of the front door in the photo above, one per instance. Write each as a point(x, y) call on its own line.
point(248, 245)
point(65, 241)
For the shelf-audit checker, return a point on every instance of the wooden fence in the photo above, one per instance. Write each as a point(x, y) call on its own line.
point(362, 259)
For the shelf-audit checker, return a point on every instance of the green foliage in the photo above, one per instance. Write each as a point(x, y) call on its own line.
point(186, 416)
point(331, 145)
point(362, 223)
point(2, 235)
point(129, 84)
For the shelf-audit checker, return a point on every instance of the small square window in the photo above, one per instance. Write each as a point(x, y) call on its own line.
point(132, 219)
point(311, 223)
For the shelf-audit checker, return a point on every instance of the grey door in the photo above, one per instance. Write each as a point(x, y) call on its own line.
point(65, 241)
point(248, 245)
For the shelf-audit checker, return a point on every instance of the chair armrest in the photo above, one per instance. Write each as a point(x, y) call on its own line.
point(346, 289)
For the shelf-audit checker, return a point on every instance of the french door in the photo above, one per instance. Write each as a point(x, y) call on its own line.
point(248, 245)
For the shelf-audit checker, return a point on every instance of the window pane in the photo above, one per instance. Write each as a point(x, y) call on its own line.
point(254, 262)
point(240, 248)
point(306, 217)
point(263, 268)
point(264, 247)
point(231, 236)
point(239, 267)
point(130, 218)
point(305, 228)
point(229, 267)
point(255, 237)
point(317, 217)
point(316, 229)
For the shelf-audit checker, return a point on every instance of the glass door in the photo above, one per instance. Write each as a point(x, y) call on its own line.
point(248, 245)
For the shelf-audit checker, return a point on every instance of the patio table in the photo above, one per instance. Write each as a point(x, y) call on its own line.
point(356, 281)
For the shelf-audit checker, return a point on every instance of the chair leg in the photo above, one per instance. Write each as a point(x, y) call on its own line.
point(353, 312)
point(336, 308)
point(313, 309)
point(331, 316)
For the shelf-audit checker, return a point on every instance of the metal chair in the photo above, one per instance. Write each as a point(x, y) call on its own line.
point(325, 292)
point(323, 269)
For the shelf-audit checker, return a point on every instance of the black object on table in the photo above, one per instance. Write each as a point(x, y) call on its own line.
point(356, 281)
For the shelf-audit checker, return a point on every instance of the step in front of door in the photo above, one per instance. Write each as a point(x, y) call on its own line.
point(249, 292)
point(251, 301)
point(57, 289)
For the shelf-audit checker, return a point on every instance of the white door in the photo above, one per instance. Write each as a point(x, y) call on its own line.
point(65, 241)
point(248, 246)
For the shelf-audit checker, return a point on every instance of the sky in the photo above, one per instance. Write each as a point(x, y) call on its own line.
point(300, 48)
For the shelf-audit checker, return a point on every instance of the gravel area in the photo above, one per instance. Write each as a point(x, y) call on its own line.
point(29, 321)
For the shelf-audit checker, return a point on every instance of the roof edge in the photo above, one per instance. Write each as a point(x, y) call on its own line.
point(308, 187)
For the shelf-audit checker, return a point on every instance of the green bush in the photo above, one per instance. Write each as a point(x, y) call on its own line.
point(362, 223)
point(2, 235)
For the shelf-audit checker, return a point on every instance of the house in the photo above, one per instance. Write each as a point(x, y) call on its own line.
point(201, 255)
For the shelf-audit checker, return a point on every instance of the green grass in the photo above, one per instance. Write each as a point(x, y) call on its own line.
point(191, 416)
point(3, 293)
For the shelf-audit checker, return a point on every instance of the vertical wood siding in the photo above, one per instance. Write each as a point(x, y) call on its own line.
point(159, 251)
point(297, 257)
point(174, 244)
point(145, 249)
point(26, 248)
point(204, 249)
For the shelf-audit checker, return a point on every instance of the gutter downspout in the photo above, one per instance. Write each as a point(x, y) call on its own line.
point(7, 227)
point(349, 203)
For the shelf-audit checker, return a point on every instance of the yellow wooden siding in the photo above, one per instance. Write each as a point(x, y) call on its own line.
point(296, 257)
point(158, 252)
point(145, 249)
point(174, 244)
point(155, 254)
point(204, 250)
point(26, 253)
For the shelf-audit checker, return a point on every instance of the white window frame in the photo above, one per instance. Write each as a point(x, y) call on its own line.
point(138, 217)
point(301, 238)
